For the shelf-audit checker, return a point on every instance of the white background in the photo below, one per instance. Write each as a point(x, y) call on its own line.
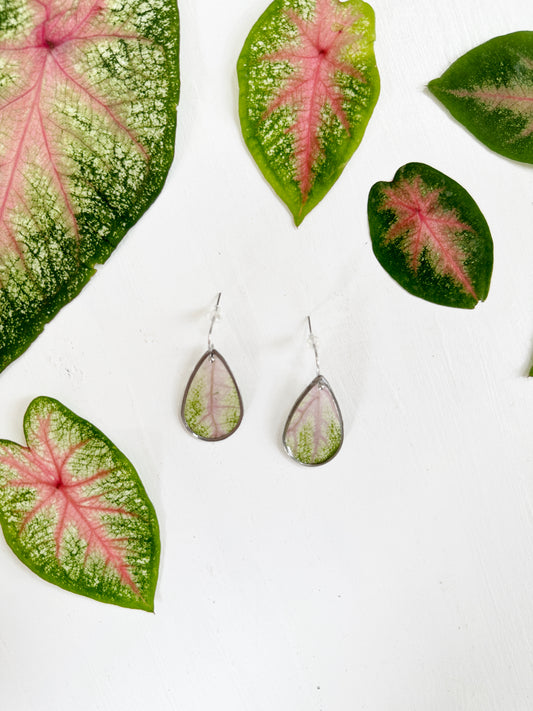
point(398, 577)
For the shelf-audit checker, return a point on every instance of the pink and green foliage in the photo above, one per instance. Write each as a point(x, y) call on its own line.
point(88, 94)
point(74, 510)
point(490, 91)
point(314, 430)
point(430, 235)
point(212, 405)
point(308, 85)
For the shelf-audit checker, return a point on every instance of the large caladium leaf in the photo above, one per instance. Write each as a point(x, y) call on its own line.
point(490, 91)
point(73, 509)
point(430, 235)
point(308, 85)
point(88, 94)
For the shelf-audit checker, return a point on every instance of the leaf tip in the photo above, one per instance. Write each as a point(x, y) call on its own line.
point(150, 607)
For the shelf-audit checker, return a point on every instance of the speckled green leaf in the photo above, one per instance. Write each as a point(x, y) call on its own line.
point(74, 510)
point(430, 235)
point(88, 94)
point(490, 91)
point(308, 85)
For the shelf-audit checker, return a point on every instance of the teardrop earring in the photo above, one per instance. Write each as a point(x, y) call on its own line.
point(212, 406)
point(314, 430)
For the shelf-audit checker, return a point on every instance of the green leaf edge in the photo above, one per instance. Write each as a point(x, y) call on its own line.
point(455, 106)
point(31, 328)
point(18, 550)
point(299, 211)
point(410, 284)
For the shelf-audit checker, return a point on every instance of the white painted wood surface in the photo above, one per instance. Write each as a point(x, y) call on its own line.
point(399, 577)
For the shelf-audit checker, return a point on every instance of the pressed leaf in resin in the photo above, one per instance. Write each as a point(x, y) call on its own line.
point(308, 85)
point(430, 235)
point(74, 510)
point(314, 430)
point(490, 91)
point(88, 95)
point(212, 405)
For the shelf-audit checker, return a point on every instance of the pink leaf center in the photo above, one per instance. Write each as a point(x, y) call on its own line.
point(517, 97)
point(423, 224)
point(69, 500)
point(44, 68)
point(316, 56)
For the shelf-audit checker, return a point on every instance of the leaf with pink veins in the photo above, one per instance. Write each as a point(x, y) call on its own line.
point(490, 91)
point(314, 430)
point(74, 510)
point(212, 406)
point(88, 94)
point(308, 85)
point(430, 235)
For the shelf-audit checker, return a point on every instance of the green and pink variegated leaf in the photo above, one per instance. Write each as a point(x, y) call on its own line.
point(430, 235)
point(308, 85)
point(212, 404)
point(314, 430)
point(88, 94)
point(74, 510)
point(490, 91)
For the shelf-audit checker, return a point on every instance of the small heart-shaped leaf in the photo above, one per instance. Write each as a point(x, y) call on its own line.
point(88, 94)
point(490, 91)
point(430, 235)
point(308, 85)
point(74, 510)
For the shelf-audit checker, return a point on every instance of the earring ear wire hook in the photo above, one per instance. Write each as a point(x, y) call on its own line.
point(214, 316)
point(313, 342)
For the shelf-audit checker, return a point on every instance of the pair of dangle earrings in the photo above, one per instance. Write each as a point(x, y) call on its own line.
point(212, 407)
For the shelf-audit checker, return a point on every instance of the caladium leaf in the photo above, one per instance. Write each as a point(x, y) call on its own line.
point(430, 235)
point(490, 91)
point(314, 430)
point(88, 94)
point(212, 404)
point(74, 510)
point(308, 85)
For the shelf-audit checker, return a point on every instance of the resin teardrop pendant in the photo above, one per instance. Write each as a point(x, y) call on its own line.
point(212, 405)
point(314, 430)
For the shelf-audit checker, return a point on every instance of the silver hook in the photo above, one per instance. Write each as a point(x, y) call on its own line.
point(214, 316)
point(313, 342)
